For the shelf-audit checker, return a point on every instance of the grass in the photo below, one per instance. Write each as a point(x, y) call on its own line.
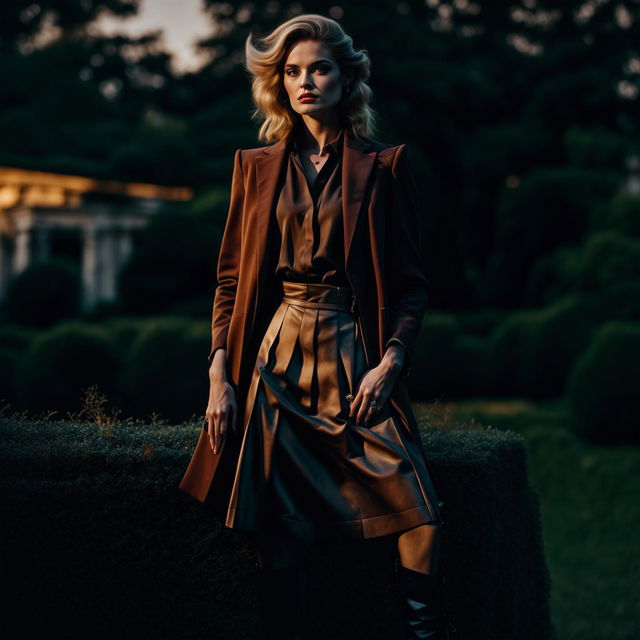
point(590, 504)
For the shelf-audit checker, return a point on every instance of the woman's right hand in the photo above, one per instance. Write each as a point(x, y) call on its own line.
point(221, 409)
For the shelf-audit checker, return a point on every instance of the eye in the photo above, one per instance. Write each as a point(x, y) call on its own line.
point(289, 71)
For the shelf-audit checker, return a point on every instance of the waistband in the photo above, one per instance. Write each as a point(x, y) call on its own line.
point(318, 295)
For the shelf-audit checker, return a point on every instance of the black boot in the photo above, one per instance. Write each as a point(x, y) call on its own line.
point(282, 602)
point(422, 605)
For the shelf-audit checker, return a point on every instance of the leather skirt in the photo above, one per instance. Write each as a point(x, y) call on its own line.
point(303, 464)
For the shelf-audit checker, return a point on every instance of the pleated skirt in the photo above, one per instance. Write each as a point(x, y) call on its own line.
point(304, 465)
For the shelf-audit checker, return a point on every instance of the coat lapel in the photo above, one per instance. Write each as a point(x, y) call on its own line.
point(357, 165)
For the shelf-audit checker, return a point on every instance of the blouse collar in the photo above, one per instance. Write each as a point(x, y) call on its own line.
point(334, 146)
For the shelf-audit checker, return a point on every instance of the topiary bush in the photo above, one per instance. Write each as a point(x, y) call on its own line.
point(603, 386)
point(532, 352)
point(446, 363)
point(14, 341)
point(618, 302)
point(46, 292)
point(621, 213)
point(548, 209)
point(552, 276)
point(63, 361)
point(608, 258)
point(562, 332)
point(507, 349)
point(166, 369)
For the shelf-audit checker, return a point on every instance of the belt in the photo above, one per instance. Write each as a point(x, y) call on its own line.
point(319, 295)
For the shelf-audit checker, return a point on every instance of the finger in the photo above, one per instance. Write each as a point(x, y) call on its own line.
point(223, 429)
point(216, 431)
point(355, 406)
point(371, 413)
point(362, 410)
point(210, 431)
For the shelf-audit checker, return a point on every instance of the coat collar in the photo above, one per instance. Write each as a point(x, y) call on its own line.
point(358, 159)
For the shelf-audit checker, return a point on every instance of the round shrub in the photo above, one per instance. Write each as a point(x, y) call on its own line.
point(549, 209)
point(62, 362)
point(552, 276)
point(619, 302)
point(123, 331)
point(507, 352)
point(562, 332)
point(14, 341)
point(166, 371)
point(446, 363)
point(621, 213)
point(608, 258)
point(44, 293)
point(9, 359)
point(603, 386)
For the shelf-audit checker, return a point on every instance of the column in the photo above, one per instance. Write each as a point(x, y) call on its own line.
point(22, 252)
point(107, 265)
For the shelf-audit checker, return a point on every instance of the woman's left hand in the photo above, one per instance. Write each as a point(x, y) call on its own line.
point(376, 385)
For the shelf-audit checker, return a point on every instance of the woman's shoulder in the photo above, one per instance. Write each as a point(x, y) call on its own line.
point(388, 154)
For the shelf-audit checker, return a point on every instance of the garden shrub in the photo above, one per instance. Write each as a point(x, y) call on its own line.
point(166, 369)
point(621, 214)
point(63, 361)
point(507, 350)
point(560, 335)
point(608, 258)
point(14, 341)
point(549, 209)
point(603, 386)
point(100, 536)
point(446, 363)
point(46, 292)
point(552, 276)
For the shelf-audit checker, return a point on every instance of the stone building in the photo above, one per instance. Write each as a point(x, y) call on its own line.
point(94, 222)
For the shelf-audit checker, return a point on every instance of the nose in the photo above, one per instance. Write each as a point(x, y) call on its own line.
point(306, 80)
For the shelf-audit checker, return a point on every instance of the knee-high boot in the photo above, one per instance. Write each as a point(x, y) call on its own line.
point(282, 601)
point(422, 604)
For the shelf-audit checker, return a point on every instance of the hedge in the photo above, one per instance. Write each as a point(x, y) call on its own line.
point(98, 534)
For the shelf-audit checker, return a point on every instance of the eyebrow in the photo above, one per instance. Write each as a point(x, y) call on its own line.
point(316, 62)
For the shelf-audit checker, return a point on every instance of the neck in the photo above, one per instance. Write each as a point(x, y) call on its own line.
point(312, 135)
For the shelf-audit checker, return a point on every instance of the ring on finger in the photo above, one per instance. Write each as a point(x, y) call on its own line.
point(374, 406)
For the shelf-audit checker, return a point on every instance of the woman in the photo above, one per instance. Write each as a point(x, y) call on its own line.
point(309, 428)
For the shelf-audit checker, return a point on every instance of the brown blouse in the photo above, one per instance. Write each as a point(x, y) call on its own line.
point(310, 220)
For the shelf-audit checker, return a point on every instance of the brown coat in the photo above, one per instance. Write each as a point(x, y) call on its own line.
point(382, 261)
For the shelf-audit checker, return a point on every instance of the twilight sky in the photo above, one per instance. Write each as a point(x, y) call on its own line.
point(182, 22)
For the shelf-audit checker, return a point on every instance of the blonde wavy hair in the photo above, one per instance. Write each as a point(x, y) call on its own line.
point(266, 66)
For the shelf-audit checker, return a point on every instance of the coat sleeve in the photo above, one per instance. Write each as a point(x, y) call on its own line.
point(228, 261)
point(408, 286)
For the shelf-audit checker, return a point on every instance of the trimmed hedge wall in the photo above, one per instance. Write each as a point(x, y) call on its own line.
point(99, 536)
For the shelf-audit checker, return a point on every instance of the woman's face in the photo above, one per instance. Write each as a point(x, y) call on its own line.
point(309, 67)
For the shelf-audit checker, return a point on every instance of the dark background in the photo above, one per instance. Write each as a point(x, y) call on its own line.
point(523, 127)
